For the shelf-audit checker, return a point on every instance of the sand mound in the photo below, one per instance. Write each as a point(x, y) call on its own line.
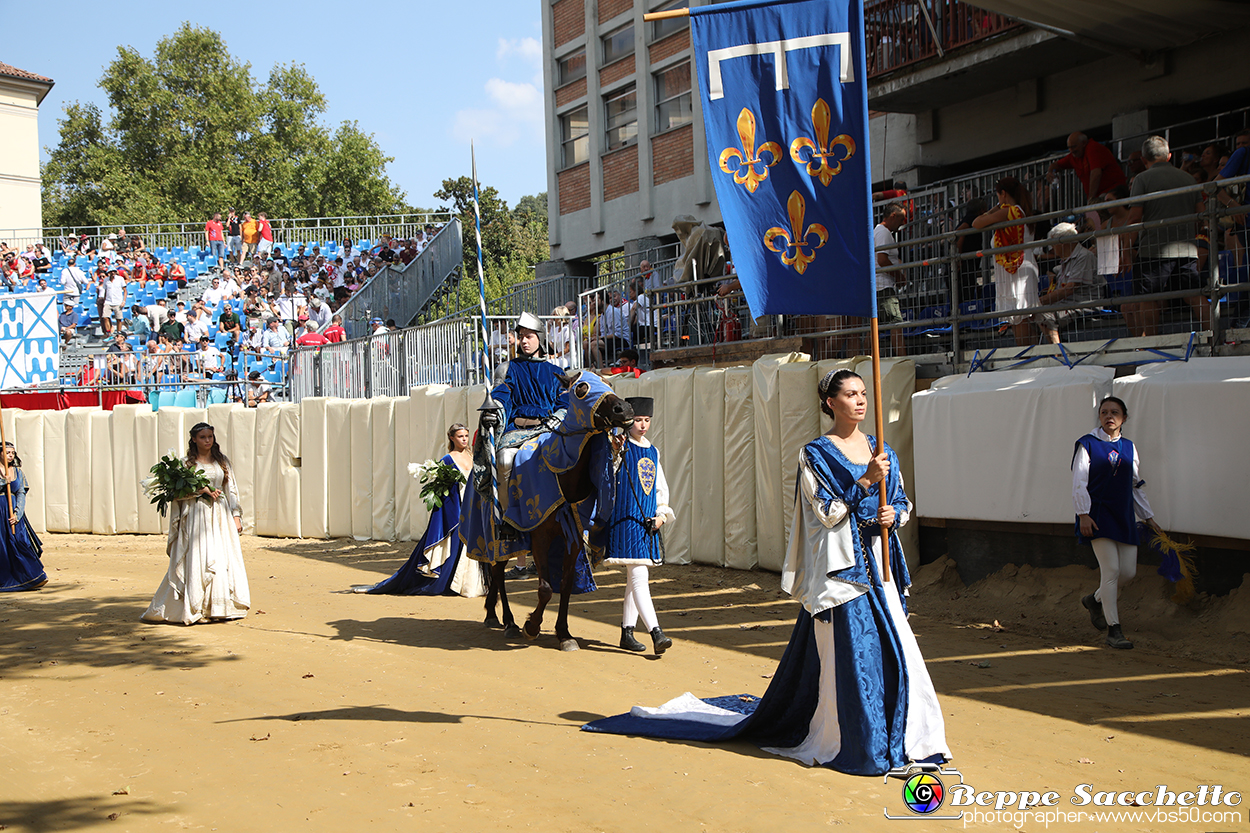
point(1047, 603)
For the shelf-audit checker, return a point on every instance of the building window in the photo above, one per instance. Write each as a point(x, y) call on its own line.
point(574, 137)
point(618, 44)
point(571, 67)
point(672, 96)
point(669, 25)
point(621, 117)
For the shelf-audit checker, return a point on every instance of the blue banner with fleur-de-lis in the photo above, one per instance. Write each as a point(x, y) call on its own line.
point(785, 109)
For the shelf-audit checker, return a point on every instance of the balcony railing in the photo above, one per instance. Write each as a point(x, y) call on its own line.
point(903, 32)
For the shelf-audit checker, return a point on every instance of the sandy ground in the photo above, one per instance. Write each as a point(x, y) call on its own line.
point(324, 710)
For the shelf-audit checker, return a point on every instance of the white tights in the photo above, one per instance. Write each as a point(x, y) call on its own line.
point(1117, 563)
point(638, 598)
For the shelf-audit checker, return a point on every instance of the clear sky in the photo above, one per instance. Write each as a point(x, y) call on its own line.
point(423, 77)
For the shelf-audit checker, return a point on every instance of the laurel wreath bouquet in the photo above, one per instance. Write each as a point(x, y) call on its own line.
point(173, 479)
point(437, 479)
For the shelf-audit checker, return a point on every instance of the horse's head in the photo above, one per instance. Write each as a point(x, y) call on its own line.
point(592, 404)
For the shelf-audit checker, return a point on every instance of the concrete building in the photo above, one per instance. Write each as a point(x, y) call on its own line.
point(953, 88)
point(21, 203)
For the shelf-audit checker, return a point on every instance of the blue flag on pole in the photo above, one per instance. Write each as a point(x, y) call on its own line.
point(785, 109)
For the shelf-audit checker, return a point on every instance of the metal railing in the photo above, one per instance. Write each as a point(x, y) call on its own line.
point(899, 33)
point(939, 321)
point(402, 291)
point(442, 352)
point(287, 231)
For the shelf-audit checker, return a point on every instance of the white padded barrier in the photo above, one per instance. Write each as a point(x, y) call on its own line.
point(741, 551)
point(360, 432)
point(998, 446)
point(28, 431)
point(314, 466)
point(338, 474)
point(707, 492)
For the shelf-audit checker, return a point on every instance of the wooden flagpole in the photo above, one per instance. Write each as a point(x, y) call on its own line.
point(876, 364)
point(880, 420)
point(8, 487)
point(649, 16)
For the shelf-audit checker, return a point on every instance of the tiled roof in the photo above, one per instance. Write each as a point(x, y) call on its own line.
point(14, 72)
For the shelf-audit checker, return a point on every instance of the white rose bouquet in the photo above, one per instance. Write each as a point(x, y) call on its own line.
point(437, 479)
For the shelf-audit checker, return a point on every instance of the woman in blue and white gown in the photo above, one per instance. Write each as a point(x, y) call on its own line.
point(20, 548)
point(852, 692)
point(206, 579)
point(437, 566)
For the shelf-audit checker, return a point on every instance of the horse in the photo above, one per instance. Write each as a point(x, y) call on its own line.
point(561, 492)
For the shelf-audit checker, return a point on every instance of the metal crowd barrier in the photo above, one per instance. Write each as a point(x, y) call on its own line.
point(443, 352)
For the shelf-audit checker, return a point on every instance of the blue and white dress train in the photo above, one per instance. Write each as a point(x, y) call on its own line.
point(20, 548)
point(851, 692)
point(437, 565)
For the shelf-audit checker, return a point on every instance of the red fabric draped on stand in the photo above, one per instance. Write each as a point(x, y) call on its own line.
point(60, 400)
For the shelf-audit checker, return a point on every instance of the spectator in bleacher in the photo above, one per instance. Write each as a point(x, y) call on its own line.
point(276, 340)
point(213, 294)
point(309, 337)
point(279, 259)
point(1209, 160)
point(67, 321)
point(196, 326)
point(234, 237)
point(180, 312)
point(108, 246)
point(969, 269)
point(157, 314)
point(255, 310)
point(1168, 255)
point(251, 237)
point(1075, 279)
point(208, 358)
point(626, 364)
point(177, 272)
point(253, 342)
point(898, 189)
point(41, 258)
point(1015, 273)
point(172, 329)
point(72, 281)
point(258, 390)
point(614, 326)
point(265, 244)
point(889, 283)
point(1096, 167)
point(119, 361)
point(335, 332)
point(114, 297)
point(139, 324)
point(319, 312)
point(1114, 253)
point(230, 323)
point(1237, 165)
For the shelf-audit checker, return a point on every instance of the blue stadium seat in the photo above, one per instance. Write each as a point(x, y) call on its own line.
point(185, 398)
point(220, 340)
point(216, 396)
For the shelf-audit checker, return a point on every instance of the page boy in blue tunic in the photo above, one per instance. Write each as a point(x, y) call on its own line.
point(634, 533)
point(1106, 494)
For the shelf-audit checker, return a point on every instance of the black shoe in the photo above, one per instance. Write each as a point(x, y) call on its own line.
point(628, 642)
point(1095, 612)
point(1115, 638)
point(661, 642)
point(515, 572)
point(531, 570)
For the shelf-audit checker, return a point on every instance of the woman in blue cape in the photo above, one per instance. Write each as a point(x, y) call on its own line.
point(852, 692)
point(436, 566)
point(20, 548)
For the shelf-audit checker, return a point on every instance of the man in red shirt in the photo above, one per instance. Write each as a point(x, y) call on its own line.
point(335, 333)
point(310, 337)
point(1096, 167)
point(265, 245)
point(215, 236)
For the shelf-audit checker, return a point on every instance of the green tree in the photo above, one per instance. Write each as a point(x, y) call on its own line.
point(190, 132)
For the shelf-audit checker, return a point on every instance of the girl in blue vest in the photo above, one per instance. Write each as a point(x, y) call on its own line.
point(1107, 493)
point(634, 537)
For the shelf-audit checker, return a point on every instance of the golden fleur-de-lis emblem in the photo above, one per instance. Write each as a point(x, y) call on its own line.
point(796, 238)
point(532, 504)
point(822, 150)
point(750, 156)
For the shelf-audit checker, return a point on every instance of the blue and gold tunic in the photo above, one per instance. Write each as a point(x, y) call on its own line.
point(641, 493)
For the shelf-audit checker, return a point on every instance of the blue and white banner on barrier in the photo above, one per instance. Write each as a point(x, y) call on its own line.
point(30, 346)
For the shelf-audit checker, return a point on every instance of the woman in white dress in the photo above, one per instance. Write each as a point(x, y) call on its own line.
point(1015, 273)
point(206, 579)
